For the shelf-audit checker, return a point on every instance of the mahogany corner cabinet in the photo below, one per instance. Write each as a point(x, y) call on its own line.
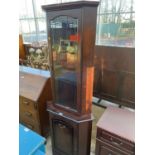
point(71, 30)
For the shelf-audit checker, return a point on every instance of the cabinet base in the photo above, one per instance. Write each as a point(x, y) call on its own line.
point(69, 136)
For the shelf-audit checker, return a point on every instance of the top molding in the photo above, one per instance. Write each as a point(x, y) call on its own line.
point(69, 5)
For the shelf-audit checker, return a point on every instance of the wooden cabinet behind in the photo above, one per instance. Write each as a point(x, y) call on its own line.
point(114, 78)
point(115, 132)
point(34, 92)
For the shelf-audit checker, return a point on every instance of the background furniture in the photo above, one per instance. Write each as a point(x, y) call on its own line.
point(36, 55)
point(27, 146)
point(115, 132)
point(71, 40)
point(22, 52)
point(34, 92)
point(114, 78)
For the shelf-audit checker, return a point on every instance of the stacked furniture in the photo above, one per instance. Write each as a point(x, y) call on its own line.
point(71, 33)
point(115, 132)
point(114, 77)
point(34, 92)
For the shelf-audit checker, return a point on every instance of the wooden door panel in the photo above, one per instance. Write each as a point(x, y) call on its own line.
point(63, 136)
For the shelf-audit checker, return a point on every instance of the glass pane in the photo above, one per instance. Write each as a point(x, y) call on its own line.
point(26, 9)
point(64, 34)
point(116, 23)
point(22, 11)
point(64, 1)
point(38, 9)
point(52, 1)
point(42, 25)
point(116, 6)
point(42, 29)
point(29, 37)
point(29, 8)
point(25, 26)
point(119, 31)
point(42, 37)
point(32, 26)
point(97, 29)
point(20, 27)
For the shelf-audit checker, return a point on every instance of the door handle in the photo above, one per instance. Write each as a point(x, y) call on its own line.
point(62, 126)
point(115, 143)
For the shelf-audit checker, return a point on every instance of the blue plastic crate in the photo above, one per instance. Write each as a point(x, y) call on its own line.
point(30, 143)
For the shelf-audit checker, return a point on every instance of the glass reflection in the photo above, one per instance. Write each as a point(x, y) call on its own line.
point(64, 34)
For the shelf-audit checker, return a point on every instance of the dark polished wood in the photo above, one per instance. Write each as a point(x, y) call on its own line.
point(114, 78)
point(115, 132)
point(71, 55)
point(69, 136)
point(86, 29)
point(103, 148)
point(34, 92)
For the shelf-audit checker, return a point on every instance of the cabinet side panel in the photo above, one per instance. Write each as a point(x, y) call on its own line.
point(88, 35)
point(85, 129)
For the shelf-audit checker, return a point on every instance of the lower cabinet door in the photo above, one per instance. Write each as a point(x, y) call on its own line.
point(62, 137)
point(103, 148)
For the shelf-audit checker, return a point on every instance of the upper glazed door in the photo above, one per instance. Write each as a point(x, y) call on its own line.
point(65, 43)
